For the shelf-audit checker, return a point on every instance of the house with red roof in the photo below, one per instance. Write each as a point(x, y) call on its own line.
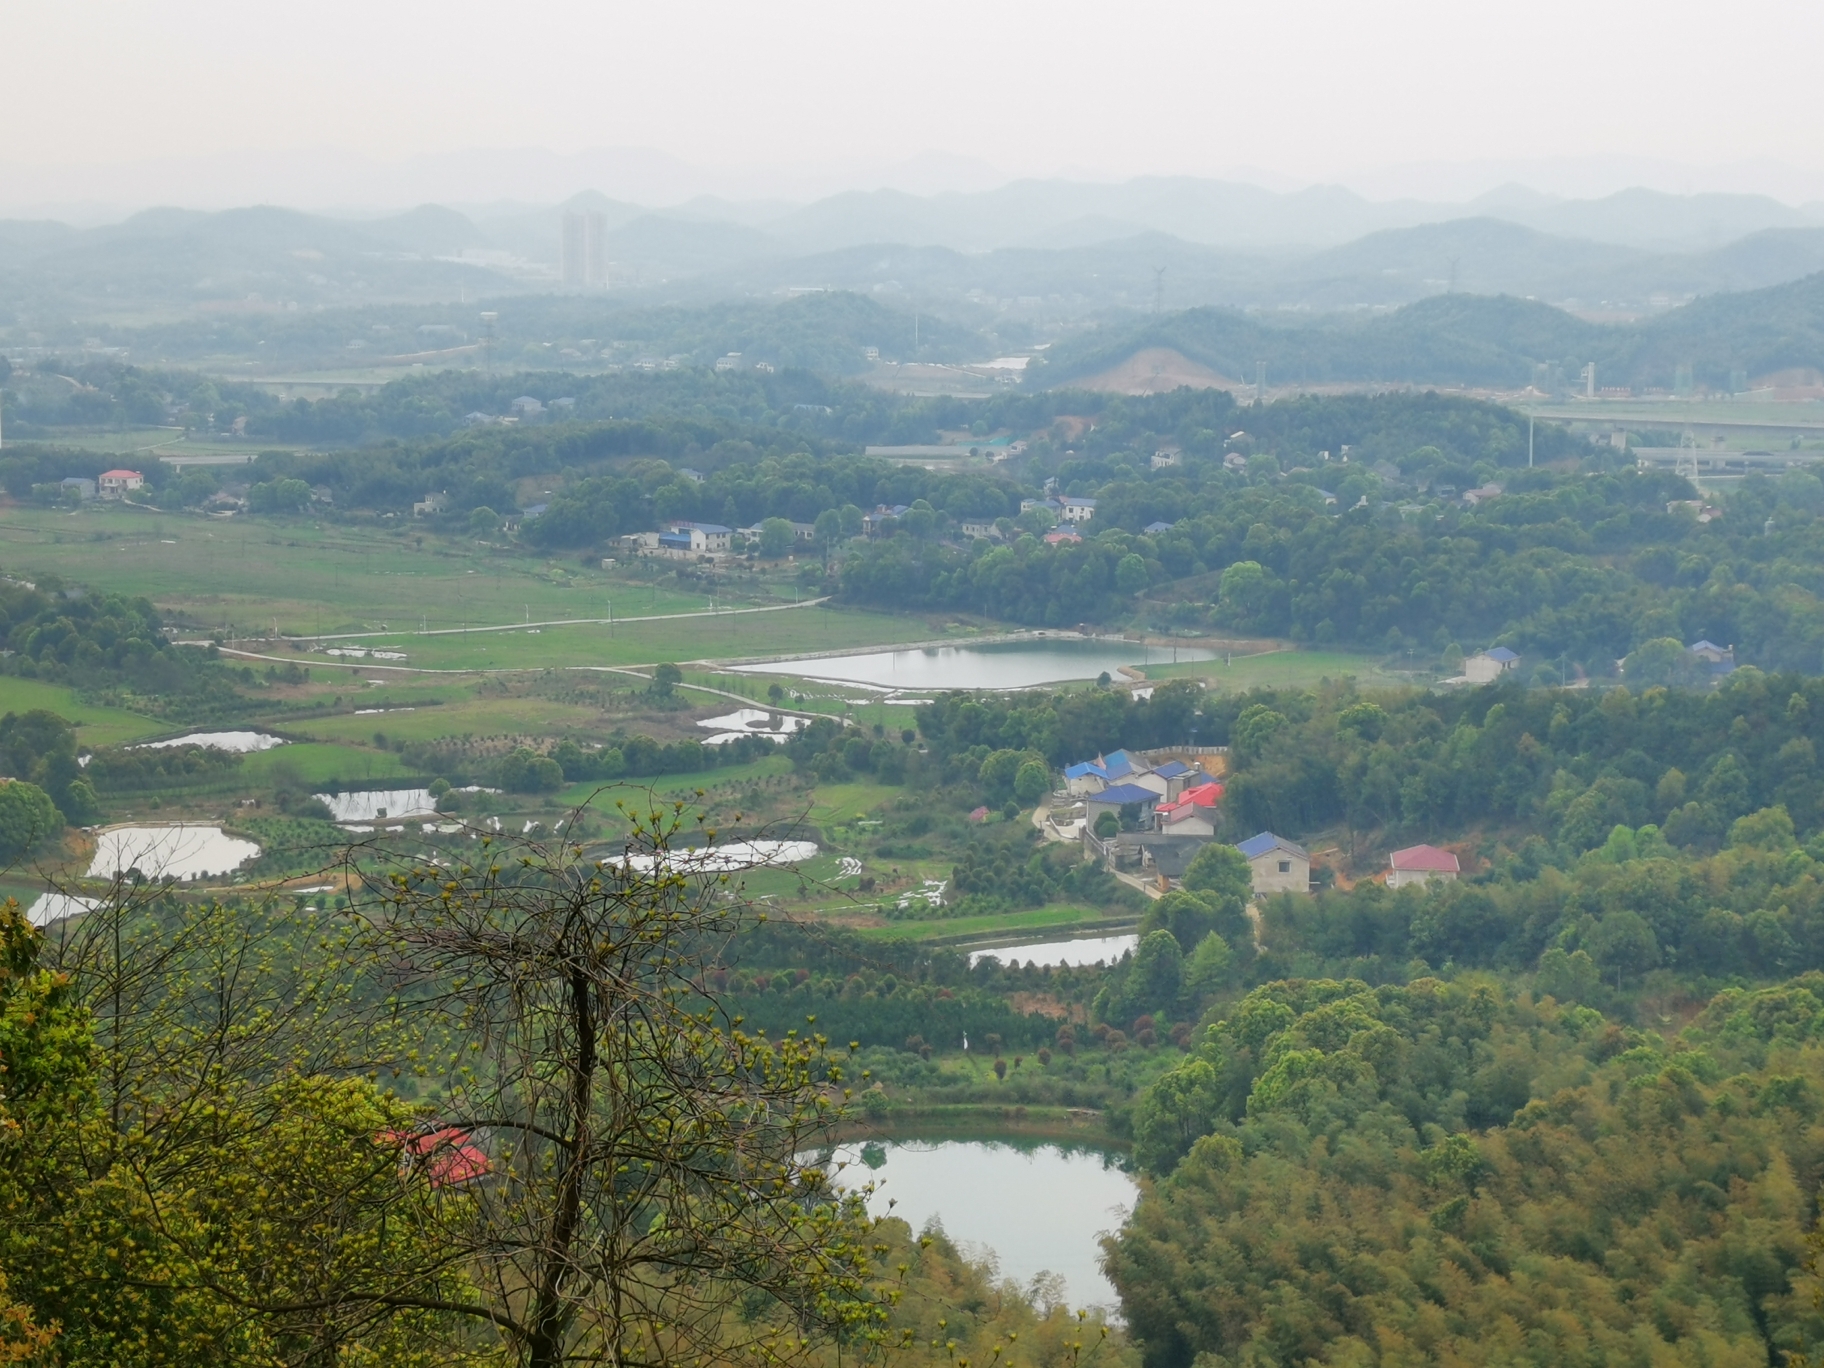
point(115, 483)
point(449, 1155)
point(1421, 864)
point(1191, 813)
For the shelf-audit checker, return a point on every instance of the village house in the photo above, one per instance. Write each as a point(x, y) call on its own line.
point(976, 527)
point(1720, 659)
point(1170, 779)
point(1277, 865)
point(883, 516)
point(1092, 776)
point(1421, 864)
point(1118, 796)
point(115, 483)
point(1076, 510)
point(1487, 666)
point(1193, 813)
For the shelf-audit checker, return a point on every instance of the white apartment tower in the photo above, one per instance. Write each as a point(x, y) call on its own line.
point(585, 250)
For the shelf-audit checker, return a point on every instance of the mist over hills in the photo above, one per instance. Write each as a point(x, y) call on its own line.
point(1488, 341)
point(1320, 285)
point(1048, 251)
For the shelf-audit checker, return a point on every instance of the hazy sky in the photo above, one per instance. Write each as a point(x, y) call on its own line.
point(1305, 89)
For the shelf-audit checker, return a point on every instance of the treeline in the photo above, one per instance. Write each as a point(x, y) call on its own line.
point(617, 756)
point(1570, 570)
point(1633, 918)
point(751, 485)
point(62, 632)
point(1443, 1173)
point(1568, 765)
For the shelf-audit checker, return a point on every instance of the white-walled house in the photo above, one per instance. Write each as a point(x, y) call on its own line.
point(1421, 864)
point(1278, 865)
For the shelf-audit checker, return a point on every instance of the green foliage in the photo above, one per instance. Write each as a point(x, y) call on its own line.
point(41, 746)
point(278, 496)
point(1489, 1161)
point(1223, 872)
point(28, 820)
point(1032, 781)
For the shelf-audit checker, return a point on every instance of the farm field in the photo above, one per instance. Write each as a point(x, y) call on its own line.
point(238, 575)
point(95, 726)
point(1280, 670)
point(1053, 917)
point(692, 634)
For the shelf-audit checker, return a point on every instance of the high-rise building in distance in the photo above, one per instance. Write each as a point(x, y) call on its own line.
point(585, 249)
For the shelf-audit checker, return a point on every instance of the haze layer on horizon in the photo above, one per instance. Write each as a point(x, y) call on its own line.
point(345, 104)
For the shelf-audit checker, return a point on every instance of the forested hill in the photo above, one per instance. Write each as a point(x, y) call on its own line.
point(1477, 340)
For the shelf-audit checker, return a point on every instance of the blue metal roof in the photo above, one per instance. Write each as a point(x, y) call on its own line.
point(1265, 843)
point(1077, 771)
point(1171, 769)
point(1502, 654)
point(1121, 794)
point(1118, 763)
point(1154, 527)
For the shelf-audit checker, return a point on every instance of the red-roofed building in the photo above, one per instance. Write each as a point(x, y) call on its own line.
point(448, 1155)
point(1421, 864)
point(1192, 813)
point(117, 482)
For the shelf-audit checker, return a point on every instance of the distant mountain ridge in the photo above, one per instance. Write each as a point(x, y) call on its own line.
point(1475, 340)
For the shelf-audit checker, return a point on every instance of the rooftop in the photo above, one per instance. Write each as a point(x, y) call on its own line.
point(1425, 858)
point(1266, 843)
point(1123, 794)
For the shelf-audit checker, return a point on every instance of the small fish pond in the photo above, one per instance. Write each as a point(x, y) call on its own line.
point(1039, 1206)
point(996, 665)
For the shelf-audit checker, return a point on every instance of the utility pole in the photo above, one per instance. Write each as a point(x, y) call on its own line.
point(1529, 441)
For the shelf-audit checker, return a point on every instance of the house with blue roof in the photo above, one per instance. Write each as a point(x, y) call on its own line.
point(1486, 667)
point(1117, 796)
point(1092, 776)
point(1153, 529)
point(1277, 865)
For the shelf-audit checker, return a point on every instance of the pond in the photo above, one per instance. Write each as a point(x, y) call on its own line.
point(1039, 1206)
point(1088, 950)
point(242, 742)
point(54, 907)
point(373, 804)
point(169, 852)
point(998, 665)
point(728, 857)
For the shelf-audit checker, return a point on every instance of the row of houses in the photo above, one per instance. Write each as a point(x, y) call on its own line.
point(1064, 508)
point(112, 484)
point(1172, 810)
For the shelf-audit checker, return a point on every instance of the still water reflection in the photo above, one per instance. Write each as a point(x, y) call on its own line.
point(1040, 1207)
point(1001, 665)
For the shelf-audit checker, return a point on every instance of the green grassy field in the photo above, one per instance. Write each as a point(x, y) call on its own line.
point(1057, 917)
point(241, 574)
point(1279, 670)
point(95, 726)
point(687, 637)
point(316, 763)
point(667, 787)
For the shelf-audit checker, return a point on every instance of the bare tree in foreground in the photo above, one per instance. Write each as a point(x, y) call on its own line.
point(644, 1202)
